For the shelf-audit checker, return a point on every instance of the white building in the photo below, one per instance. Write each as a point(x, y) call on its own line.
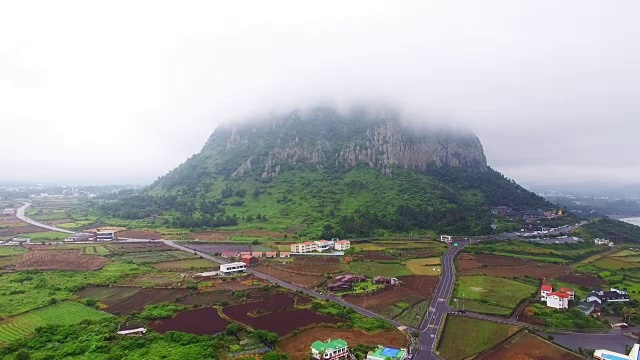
point(558, 300)
point(304, 247)
point(445, 238)
point(599, 241)
point(602, 354)
point(105, 235)
point(8, 211)
point(322, 245)
point(343, 245)
point(232, 268)
point(545, 289)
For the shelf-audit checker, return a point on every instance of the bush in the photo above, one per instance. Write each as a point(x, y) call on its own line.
point(161, 311)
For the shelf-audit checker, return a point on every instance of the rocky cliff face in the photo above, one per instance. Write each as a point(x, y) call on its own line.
point(324, 138)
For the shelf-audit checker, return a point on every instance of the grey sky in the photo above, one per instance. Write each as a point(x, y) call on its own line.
point(121, 92)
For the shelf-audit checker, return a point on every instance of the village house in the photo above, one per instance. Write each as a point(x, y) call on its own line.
point(387, 353)
point(531, 215)
point(502, 211)
point(603, 297)
point(568, 291)
point(270, 254)
point(345, 282)
point(339, 286)
point(105, 235)
point(232, 268)
point(385, 280)
point(545, 289)
point(285, 254)
point(330, 350)
point(243, 253)
point(445, 238)
point(343, 245)
point(250, 260)
point(257, 254)
point(605, 242)
point(588, 308)
point(8, 211)
point(558, 300)
point(229, 254)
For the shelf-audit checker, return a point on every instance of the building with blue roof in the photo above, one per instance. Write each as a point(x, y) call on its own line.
point(603, 354)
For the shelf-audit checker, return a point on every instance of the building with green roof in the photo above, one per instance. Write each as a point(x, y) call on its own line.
point(330, 350)
point(387, 353)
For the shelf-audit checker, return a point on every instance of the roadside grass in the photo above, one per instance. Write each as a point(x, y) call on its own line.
point(64, 313)
point(414, 315)
point(563, 319)
point(370, 268)
point(46, 235)
point(11, 250)
point(426, 266)
point(488, 294)
point(22, 291)
point(463, 337)
point(75, 224)
point(185, 264)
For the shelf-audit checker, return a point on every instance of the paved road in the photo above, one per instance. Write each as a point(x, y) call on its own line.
point(20, 214)
point(430, 327)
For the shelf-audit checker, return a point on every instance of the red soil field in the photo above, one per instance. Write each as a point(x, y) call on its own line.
point(17, 230)
point(422, 285)
point(582, 279)
point(138, 301)
point(276, 315)
point(208, 299)
point(297, 347)
point(139, 234)
point(525, 346)
point(507, 267)
point(387, 296)
point(202, 321)
point(61, 260)
point(247, 282)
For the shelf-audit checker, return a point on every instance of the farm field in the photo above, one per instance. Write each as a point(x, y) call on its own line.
point(546, 253)
point(154, 279)
point(291, 277)
point(21, 230)
point(150, 257)
point(208, 298)
point(427, 266)
point(145, 297)
point(60, 260)
point(507, 267)
point(582, 279)
point(108, 295)
point(139, 234)
point(414, 315)
point(24, 291)
point(420, 284)
point(371, 269)
point(186, 264)
point(74, 224)
point(493, 295)
point(463, 337)
point(46, 235)
point(528, 346)
point(202, 321)
point(277, 314)
point(226, 235)
point(212, 248)
point(10, 260)
point(95, 250)
point(64, 313)
point(297, 347)
point(11, 250)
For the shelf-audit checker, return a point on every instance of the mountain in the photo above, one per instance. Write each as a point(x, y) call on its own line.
point(321, 172)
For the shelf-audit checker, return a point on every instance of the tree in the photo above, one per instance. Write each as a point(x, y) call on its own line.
point(267, 338)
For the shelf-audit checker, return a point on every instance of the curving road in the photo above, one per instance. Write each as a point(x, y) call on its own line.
point(20, 215)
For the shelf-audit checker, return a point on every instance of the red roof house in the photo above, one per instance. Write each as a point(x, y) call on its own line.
point(546, 287)
point(250, 260)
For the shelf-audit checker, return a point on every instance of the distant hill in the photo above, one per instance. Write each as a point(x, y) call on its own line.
point(610, 229)
point(321, 172)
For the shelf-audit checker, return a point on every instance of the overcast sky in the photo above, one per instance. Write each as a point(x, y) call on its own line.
point(122, 92)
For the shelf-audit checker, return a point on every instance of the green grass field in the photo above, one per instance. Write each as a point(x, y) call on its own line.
point(27, 290)
point(65, 313)
point(463, 337)
point(11, 250)
point(95, 250)
point(414, 315)
point(488, 294)
point(612, 263)
point(74, 225)
point(150, 257)
point(554, 253)
point(186, 264)
point(108, 294)
point(370, 268)
point(426, 266)
point(46, 235)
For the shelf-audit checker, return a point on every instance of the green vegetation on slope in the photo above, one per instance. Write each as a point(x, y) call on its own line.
point(463, 337)
point(616, 230)
point(553, 253)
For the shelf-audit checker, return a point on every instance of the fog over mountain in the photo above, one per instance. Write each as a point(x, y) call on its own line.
point(123, 92)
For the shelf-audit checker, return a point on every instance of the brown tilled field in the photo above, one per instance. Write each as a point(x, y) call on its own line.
point(139, 234)
point(290, 277)
point(525, 346)
point(387, 296)
point(297, 347)
point(422, 285)
point(582, 279)
point(61, 260)
point(11, 221)
point(208, 299)
point(507, 267)
point(243, 283)
point(21, 229)
point(139, 300)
